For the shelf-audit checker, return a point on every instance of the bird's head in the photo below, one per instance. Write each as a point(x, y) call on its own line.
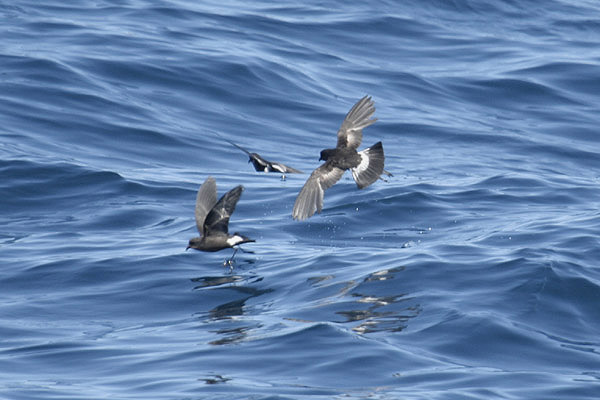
point(325, 154)
point(193, 243)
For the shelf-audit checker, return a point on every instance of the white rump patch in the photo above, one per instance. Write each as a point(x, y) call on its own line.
point(363, 166)
point(235, 239)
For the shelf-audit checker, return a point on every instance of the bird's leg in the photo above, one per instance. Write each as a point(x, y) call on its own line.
point(388, 174)
point(283, 177)
point(229, 262)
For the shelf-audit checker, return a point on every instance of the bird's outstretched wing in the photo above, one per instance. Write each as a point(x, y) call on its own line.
point(258, 162)
point(284, 169)
point(205, 201)
point(238, 146)
point(217, 219)
point(310, 198)
point(350, 133)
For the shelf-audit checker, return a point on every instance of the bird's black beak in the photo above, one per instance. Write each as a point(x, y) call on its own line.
point(186, 249)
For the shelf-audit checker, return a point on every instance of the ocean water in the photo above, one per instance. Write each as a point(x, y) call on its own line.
point(473, 273)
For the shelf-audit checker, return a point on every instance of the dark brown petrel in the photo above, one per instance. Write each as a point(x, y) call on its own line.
point(366, 165)
point(262, 165)
point(212, 219)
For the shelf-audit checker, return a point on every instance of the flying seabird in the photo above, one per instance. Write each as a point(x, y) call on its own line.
point(212, 219)
point(366, 165)
point(260, 164)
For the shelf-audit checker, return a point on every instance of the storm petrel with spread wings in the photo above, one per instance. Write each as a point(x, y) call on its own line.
point(366, 165)
point(212, 219)
point(260, 164)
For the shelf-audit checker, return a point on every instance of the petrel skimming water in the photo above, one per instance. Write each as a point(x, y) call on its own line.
point(366, 165)
point(212, 219)
point(260, 164)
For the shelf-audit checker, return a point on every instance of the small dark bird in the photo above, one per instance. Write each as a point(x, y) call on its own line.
point(366, 165)
point(260, 164)
point(212, 219)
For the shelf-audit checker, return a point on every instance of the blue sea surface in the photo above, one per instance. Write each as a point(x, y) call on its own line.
point(472, 273)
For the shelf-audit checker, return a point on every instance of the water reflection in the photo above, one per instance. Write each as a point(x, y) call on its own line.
point(215, 379)
point(369, 305)
point(371, 309)
point(233, 335)
point(228, 320)
point(220, 280)
point(379, 321)
point(382, 313)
